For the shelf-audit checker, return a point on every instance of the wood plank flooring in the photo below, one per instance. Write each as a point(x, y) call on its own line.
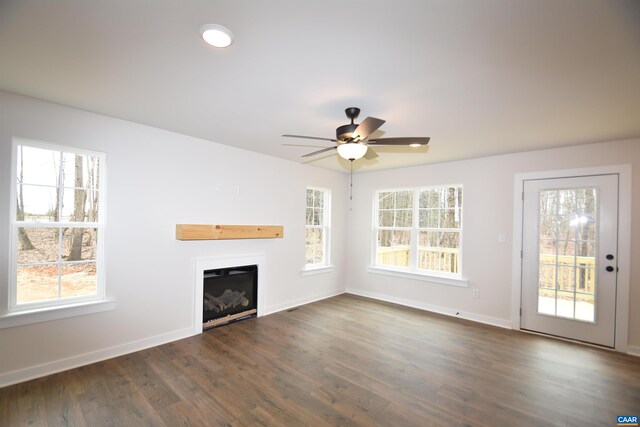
point(346, 360)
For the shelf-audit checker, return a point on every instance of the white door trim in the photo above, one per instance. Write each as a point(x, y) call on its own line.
point(624, 242)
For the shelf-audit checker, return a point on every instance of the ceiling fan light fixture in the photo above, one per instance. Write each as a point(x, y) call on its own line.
point(217, 35)
point(352, 150)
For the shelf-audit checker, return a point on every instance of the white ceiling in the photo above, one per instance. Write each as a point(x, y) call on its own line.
point(478, 77)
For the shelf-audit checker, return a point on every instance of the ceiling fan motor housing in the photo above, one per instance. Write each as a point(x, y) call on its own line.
point(343, 133)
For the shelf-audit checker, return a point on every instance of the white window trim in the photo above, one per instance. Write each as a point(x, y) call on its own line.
point(28, 317)
point(326, 266)
point(12, 314)
point(413, 272)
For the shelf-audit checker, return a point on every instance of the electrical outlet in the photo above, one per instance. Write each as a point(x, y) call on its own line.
point(476, 293)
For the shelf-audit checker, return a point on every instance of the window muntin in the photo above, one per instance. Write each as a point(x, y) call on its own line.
point(317, 227)
point(58, 227)
point(419, 230)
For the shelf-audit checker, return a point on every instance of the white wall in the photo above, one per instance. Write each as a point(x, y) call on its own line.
point(488, 211)
point(155, 180)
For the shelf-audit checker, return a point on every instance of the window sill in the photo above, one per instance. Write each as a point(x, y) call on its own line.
point(311, 271)
point(443, 280)
point(29, 317)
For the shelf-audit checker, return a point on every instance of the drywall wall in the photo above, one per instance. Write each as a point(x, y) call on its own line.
point(156, 179)
point(488, 212)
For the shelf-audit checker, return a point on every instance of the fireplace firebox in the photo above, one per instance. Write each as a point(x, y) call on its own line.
point(229, 294)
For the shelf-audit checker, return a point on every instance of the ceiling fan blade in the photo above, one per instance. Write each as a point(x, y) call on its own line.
point(370, 154)
point(310, 137)
point(366, 128)
point(304, 145)
point(399, 141)
point(319, 151)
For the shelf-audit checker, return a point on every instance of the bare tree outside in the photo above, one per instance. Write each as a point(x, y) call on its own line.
point(23, 237)
point(79, 201)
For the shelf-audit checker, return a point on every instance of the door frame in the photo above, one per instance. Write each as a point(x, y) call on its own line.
point(624, 242)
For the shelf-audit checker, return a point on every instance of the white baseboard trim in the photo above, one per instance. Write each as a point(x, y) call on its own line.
point(633, 350)
point(56, 366)
point(494, 321)
point(303, 301)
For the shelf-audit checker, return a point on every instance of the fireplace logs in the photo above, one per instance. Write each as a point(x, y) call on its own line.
point(229, 294)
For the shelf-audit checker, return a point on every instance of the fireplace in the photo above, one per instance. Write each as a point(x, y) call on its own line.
point(229, 294)
point(231, 261)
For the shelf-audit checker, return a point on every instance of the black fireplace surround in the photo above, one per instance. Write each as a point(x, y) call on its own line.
point(230, 294)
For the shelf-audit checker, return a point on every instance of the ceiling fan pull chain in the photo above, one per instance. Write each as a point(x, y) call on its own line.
point(351, 183)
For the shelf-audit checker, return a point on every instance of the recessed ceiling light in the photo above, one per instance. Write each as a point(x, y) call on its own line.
point(217, 35)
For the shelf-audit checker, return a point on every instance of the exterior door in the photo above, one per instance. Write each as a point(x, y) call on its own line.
point(569, 257)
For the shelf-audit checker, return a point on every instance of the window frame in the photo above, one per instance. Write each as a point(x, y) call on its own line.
point(77, 304)
point(413, 271)
point(325, 226)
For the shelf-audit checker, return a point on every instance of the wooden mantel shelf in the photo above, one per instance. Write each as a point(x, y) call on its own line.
point(225, 232)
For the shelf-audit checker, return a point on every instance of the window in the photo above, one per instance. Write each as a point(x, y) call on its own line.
point(318, 221)
point(419, 230)
point(58, 228)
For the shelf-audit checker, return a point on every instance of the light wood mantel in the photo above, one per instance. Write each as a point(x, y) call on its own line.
point(225, 232)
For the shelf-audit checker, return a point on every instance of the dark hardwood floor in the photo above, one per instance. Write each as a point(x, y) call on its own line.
point(342, 361)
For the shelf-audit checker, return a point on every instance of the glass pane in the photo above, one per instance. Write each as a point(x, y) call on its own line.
point(547, 250)
point(38, 203)
point(430, 198)
point(404, 218)
point(428, 260)
point(385, 200)
point(585, 280)
point(37, 283)
point(309, 198)
point(37, 245)
point(449, 218)
point(80, 171)
point(319, 199)
point(404, 199)
point(586, 201)
point(319, 254)
point(38, 166)
point(549, 203)
point(547, 301)
point(565, 304)
point(385, 218)
point(450, 239)
point(566, 202)
point(317, 216)
point(547, 276)
point(401, 245)
point(585, 227)
point(310, 236)
point(566, 248)
point(422, 218)
point(548, 227)
point(79, 205)
point(450, 198)
point(566, 278)
point(585, 250)
point(78, 279)
point(449, 261)
point(585, 307)
point(393, 247)
point(309, 217)
point(79, 244)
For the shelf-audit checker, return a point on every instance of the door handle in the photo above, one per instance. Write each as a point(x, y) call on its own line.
point(609, 257)
point(609, 268)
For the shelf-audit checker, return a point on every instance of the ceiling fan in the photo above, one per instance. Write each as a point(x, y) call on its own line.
point(351, 139)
